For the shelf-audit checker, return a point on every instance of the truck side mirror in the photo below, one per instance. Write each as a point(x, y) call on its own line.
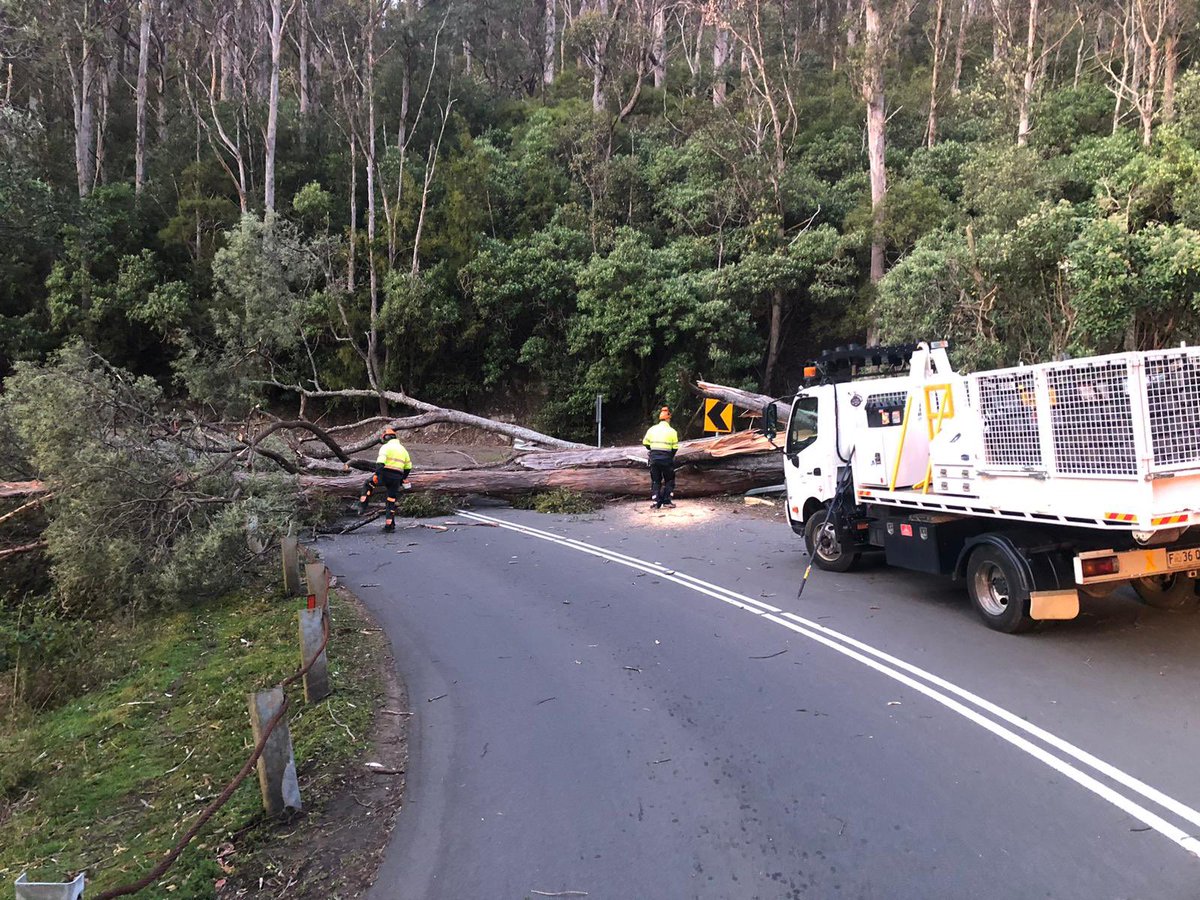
point(770, 422)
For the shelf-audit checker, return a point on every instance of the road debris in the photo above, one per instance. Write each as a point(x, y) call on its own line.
point(631, 668)
point(379, 769)
point(438, 697)
point(772, 655)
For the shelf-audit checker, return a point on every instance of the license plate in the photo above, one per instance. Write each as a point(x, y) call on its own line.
point(1190, 557)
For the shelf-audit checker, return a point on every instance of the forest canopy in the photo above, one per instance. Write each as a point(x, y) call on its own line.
point(487, 202)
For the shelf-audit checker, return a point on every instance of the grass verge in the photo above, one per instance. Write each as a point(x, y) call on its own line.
point(105, 784)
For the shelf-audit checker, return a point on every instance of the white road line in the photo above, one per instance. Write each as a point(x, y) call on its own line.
point(891, 666)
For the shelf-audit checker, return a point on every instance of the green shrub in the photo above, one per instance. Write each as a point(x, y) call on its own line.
point(561, 501)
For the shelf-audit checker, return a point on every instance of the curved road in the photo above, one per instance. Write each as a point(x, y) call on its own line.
point(636, 705)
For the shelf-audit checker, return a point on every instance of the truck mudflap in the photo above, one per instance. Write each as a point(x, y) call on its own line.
point(1045, 571)
point(1100, 566)
point(1059, 604)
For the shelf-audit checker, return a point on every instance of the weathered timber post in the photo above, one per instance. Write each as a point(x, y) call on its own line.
point(317, 577)
point(291, 565)
point(277, 765)
point(312, 633)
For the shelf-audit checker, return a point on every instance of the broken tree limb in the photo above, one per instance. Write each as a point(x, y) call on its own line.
point(731, 475)
point(438, 414)
point(19, 490)
point(23, 548)
point(744, 399)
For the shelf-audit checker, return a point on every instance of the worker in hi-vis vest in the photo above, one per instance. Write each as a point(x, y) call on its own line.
point(391, 469)
point(662, 442)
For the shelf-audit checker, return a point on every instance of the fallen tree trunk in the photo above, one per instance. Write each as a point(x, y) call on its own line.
point(735, 475)
point(697, 451)
point(744, 399)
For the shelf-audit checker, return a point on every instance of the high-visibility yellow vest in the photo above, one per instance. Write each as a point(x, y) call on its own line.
point(661, 437)
point(393, 456)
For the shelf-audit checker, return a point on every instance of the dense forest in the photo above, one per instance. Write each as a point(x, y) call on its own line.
point(497, 203)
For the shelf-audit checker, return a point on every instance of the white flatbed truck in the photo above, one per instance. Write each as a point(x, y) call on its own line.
point(1040, 486)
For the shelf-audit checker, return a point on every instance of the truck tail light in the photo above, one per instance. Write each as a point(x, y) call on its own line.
point(1100, 565)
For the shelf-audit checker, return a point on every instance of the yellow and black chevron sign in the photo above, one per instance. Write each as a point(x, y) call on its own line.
point(718, 416)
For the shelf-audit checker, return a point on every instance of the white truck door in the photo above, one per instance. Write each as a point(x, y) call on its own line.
point(810, 466)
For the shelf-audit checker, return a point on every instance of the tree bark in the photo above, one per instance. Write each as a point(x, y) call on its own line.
point(729, 476)
point(18, 490)
point(960, 42)
point(143, 71)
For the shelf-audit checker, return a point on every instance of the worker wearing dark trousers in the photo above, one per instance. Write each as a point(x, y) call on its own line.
point(662, 441)
point(392, 467)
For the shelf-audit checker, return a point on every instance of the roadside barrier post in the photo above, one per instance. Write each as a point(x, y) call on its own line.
point(312, 636)
point(277, 765)
point(317, 577)
point(291, 565)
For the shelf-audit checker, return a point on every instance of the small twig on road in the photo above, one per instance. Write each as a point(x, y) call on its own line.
point(559, 893)
point(771, 655)
point(395, 712)
point(547, 700)
point(438, 697)
point(631, 668)
point(659, 761)
point(378, 769)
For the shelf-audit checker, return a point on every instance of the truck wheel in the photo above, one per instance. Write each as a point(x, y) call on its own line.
point(996, 591)
point(1172, 591)
point(824, 547)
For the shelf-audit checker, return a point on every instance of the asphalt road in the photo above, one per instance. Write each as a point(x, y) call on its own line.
point(671, 722)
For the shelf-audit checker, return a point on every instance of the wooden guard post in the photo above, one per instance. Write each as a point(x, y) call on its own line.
point(291, 565)
point(277, 765)
point(312, 633)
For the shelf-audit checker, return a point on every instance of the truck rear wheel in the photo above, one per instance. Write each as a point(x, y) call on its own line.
point(824, 547)
point(997, 591)
point(1171, 591)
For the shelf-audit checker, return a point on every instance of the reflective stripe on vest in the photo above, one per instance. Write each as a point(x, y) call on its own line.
point(661, 437)
point(394, 456)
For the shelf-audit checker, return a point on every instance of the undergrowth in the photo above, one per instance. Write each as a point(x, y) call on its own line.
point(561, 501)
point(106, 782)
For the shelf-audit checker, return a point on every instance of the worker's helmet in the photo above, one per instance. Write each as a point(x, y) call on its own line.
point(389, 433)
point(664, 414)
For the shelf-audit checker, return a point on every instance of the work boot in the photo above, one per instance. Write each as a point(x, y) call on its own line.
point(669, 505)
point(362, 506)
point(389, 527)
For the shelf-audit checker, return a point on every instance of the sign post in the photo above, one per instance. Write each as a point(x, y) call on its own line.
point(599, 417)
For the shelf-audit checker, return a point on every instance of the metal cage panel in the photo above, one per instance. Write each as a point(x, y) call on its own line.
point(1091, 418)
point(1008, 413)
point(1173, 407)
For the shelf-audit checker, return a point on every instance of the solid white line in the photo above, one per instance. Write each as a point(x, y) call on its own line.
point(850, 647)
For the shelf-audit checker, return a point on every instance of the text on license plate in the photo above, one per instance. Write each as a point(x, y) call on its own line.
point(1189, 557)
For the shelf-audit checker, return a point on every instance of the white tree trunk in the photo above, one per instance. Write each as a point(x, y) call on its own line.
point(549, 39)
point(658, 46)
point(873, 94)
point(720, 59)
point(278, 21)
point(1031, 63)
point(143, 72)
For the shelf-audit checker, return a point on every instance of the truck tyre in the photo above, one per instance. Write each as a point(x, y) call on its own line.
point(824, 547)
point(1171, 591)
point(997, 591)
